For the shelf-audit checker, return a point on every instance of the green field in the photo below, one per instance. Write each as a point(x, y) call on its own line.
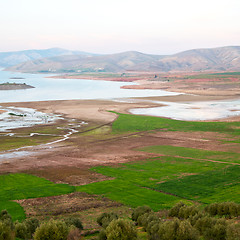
point(145, 183)
point(23, 186)
point(135, 123)
point(183, 173)
point(231, 157)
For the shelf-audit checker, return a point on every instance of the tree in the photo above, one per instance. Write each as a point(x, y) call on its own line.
point(56, 230)
point(121, 230)
point(6, 233)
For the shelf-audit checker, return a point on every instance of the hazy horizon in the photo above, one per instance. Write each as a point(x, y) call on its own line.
point(153, 27)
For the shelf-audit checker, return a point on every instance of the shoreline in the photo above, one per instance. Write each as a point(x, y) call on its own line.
point(98, 111)
point(179, 83)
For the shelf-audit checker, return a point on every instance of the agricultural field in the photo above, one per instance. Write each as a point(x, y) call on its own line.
point(193, 162)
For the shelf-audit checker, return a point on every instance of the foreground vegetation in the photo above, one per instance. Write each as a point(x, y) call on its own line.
point(216, 221)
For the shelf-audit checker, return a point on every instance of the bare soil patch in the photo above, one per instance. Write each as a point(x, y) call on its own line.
point(86, 207)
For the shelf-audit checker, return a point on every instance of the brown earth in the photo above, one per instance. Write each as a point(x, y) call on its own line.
point(70, 161)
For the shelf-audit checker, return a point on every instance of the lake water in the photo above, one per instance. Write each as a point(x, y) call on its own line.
point(65, 89)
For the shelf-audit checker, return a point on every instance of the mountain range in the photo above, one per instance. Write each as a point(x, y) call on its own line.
point(8, 59)
point(211, 59)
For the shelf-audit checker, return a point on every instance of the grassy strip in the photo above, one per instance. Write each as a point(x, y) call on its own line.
point(194, 153)
point(23, 186)
point(136, 123)
point(7, 143)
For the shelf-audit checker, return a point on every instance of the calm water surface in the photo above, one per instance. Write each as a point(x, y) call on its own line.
point(66, 89)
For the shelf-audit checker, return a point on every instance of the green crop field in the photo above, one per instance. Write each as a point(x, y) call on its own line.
point(194, 153)
point(155, 181)
point(23, 186)
point(183, 173)
point(136, 123)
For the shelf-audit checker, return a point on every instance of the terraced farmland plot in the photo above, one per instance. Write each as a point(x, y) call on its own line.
point(23, 186)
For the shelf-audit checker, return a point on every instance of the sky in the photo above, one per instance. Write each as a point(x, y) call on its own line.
point(111, 26)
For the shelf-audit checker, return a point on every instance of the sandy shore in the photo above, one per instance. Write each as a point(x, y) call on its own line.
point(87, 110)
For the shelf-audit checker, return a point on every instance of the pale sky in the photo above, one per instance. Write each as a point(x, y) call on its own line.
point(111, 26)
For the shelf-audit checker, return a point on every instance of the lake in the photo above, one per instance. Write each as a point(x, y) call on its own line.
point(68, 89)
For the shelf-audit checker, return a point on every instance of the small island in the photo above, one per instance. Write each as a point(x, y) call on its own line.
point(14, 86)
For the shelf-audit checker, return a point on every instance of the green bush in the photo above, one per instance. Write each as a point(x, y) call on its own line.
point(216, 232)
point(56, 230)
point(32, 224)
point(152, 230)
point(233, 231)
point(223, 209)
point(21, 230)
point(102, 235)
point(105, 218)
point(174, 211)
point(6, 218)
point(74, 221)
point(6, 233)
point(193, 219)
point(187, 211)
point(121, 230)
point(137, 212)
point(177, 230)
point(145, 219)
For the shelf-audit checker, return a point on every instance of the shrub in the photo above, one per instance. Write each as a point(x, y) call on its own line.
point(21, 231)
point(168, 230)
point(174, 211)
point(187, 211)
point(145, 219)
point(217, 232)
point(193, 219)
point(152, 230)
point(56, 230)
point(74, 234)
point(137, 212)
point(32, 224)
point(233, 231)
point(105, 218)
point(185, 231)
point(204, 223)
point(5, 215)
point(74, 221)
point(223, 209)
point(177, 230)
point(6, 218)
point(102, 235)
point(6, 233)
point(121, 230)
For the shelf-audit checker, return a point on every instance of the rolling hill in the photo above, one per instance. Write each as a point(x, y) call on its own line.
point(212, 59)
point(8, 59)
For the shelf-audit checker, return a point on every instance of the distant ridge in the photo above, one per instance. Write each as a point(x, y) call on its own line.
point(8, 59)
point(212, 59)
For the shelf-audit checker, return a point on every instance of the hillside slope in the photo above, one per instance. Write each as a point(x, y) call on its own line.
point(8, 59)
point(215, 59)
